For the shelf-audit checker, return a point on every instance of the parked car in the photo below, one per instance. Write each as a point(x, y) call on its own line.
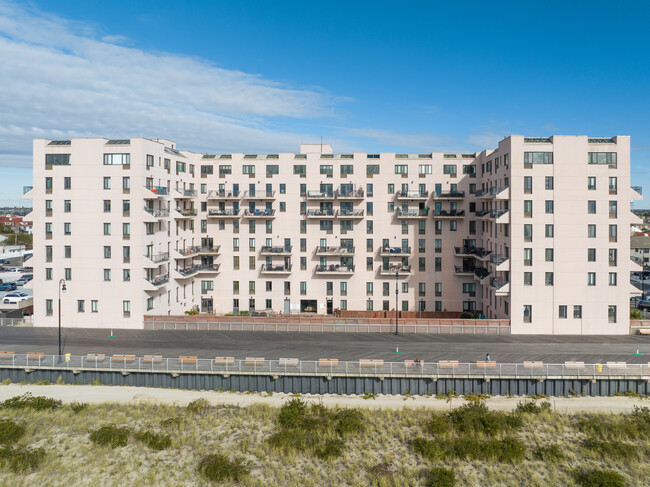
point(8, 286)
point(14, 298)
point(24, 279)
point(4, 261)
point(643, 304)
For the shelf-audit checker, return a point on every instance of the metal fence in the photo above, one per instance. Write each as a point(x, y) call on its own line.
point(285, 326)
point(27, 321)
point(330, 368)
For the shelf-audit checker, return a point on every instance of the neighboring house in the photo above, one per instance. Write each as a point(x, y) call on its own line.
point(640, 249)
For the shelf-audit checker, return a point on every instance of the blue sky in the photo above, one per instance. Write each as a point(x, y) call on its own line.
point(371, 76)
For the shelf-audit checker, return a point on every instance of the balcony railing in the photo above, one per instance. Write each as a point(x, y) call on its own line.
point(27, 189)
point(449, 194)
point(397, 251)
point(481, 272)
point(224, 212)
point(159, 190)
point(466, 269)
point(350, 213)
point(449, 214)
point(276, 268)
point(497, 213)
point(187, 212)
point(498, 284)
point(320, 213)
point(275, 250)
point(210, 250)
point(335, 268)
point(224, 194)
point(188, 271)
point(325, 250)
point(259, 195)
point(320, 195)
point(396, 269)
point(481, 213)
point(477, 251)
point(157, 212)
point(209, 267)
point(349, 193)
point(497, 259)
point(259, 213)
point(158, 280)
point(412, 213)
point(412, 195)
point(187, 193)
point(160, 257)
point(187, 251)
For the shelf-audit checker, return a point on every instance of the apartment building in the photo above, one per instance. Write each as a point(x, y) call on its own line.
point(528, 232)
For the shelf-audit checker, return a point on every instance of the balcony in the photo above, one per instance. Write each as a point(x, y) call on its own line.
point(209, 268)
point(412, 195)
point(412, 214)
point(258, 195)
point(185, 213)
point(186, 193)
point(189, 251)
point(320, 214)
point(157, 281)
point(334, 251)
point(501, 287)
point(451, 214)
point(158, 190)
point(448, 195)
point(353, 194)
point(502, 263)
point(281, 251)
point(395, 252)
point(481, 273)
point(498, 192)
point(463, 270)
point(500, 216)
point(157, 212)
point(320, 195)
point(223, 195)
point(478, 252)
point(400, 270)
point(158, 258)
point(214, 250)
point(350, 214)
point(225, 213)
point(334, 270)
point(275, 269)
point(186, 272)
point(265, 213)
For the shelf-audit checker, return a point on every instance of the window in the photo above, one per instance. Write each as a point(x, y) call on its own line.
point(528, 278)
point(248, 169)
point(368, 288)
point(57, 159)
point(369, 305)
point(369, 226)
point(251, 262)
point(613, 209)
point(612, 257)
point(591, 207)
point(613, 233)
point(126, 206)
point(591, 255)
point(591, 278)
point(67, 206)
point(453, 225)
point(283, 188)
point(549, 230)
point(117, 159)
point(548, 278)
point(327, 169)
point(528, 313)
point(528, 184)
point(67, 228)
point(303, 288)
point(611, 314)
point(548, 182)
point(94, 306)
point(300, 169)
point(126, 183)
point(67, 251)
point(548, 255)
point(591, 231)
point(401, 169)
point(538, 158)
point(180, 166)
point(81, 306)
point(126, 254)
point(391, 188)
point(528, 208)
point(437, 263)
point(591, 183)
point(577, 311)
point(346, 225)
point(107, 206)
point(67, 182)
point(235, 262)
point(48, 184)
point(48, 253)
point(528, 256)
point(528, 232)
point(48, 228)
point(68, 274)
point(235, 287)
point(347, 169)
point(126, 307)
point(549, 206)
point(48, 274)
point(107, 274)
point(612, 278)
point(225, 169)
point(369, 208)
point(107, 183)
point(562, 312)
point(326, 225)
point(126, 229)
point(272, 169)
point(422, 289)
point(149, 304)
point(48, 307)
point(613, 185)
point(602, 158)
point(449, 169)
point(126, 275)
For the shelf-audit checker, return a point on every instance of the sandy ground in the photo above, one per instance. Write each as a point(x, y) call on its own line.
point(126, 394)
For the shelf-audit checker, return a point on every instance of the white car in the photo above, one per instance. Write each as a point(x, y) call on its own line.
point(14, 298)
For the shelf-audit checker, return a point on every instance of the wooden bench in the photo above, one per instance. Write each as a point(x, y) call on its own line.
point(224, 360)
point(292, 362)
point(533, 364)
point(152, 359)
point(644, 331)
point(574, 365)
point(484, 364)
point(325, 362)
point(254, 361)
point(187, 359)
point(367, 362)
point(617, 365)
point(95, 357)
point(35, 355)
point(448, 364)
point(7, 355)
point(123, 358)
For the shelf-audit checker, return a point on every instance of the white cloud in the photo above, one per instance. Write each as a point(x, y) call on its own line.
point(61, 79)
point(413, 142)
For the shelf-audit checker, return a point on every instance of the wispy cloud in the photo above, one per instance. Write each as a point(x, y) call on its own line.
point(489, 140)
point(387, 138)
point(64, 79)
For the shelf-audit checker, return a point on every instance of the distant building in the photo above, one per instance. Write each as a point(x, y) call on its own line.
point(534, 231)
point(640, 249)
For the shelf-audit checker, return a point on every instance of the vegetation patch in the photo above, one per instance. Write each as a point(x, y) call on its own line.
point(219, 468)
point(549, 453)
point(38, 403)
point(598, 478)
point(155, 441)
point(10, 432)
point(77, 407)
point(506, 450)
point(111, 435)
point(476, 418)
point(440, 477)
point(532, 407)
point(198, 406)
point(611, 449)
point(21, 460)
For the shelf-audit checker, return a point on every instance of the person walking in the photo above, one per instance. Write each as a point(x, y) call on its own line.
point(487, 357)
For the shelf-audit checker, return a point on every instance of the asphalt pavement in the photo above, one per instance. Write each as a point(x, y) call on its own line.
point(344, 346)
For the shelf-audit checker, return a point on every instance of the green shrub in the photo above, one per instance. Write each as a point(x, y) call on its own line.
point(532, 407)
point(611, 449)
point(427, 448)
point(198, 406)
point(626, 427)
point(475, 417)
point(218, 468)
point(440, 477)
point(21, 460)
point(438, 425)
point(549, 453)
point(508, 450)
point(155, 441)
point(293, 414)
point(111, 435)
point(10, 432)
point(174, 421)
point(295, 439)
point(330, 449)
point(39, 403)
point(349, 421)
point(77, 407)
point(598, 478)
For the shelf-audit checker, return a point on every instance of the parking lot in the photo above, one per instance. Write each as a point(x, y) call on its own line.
point(7, 275)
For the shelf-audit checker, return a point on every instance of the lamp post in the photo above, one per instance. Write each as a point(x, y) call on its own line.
point(61, 288)
point(396, 299)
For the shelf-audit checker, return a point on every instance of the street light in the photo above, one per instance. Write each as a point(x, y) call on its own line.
point(61, 288)
point(396, 298)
